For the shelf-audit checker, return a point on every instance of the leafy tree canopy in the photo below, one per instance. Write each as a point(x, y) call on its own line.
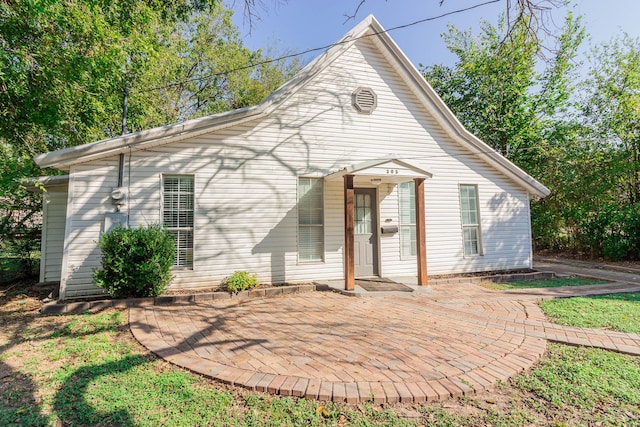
point(495, 89)
point(65, 67)
point(580, 136)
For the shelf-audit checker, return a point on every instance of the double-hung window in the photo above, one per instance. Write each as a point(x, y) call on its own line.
point(178, 205)
point(470, 219)
point(407, 201)
point(310, 219)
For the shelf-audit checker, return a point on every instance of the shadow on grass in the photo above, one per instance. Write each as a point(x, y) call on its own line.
point(18, 404)
point(632, 297)
point(71, 405)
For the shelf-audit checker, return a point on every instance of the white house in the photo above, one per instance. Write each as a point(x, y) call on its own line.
point(353, 168)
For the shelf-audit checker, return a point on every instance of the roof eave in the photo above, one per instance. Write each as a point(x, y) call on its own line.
point(357, 168)
point(449, 120)
point(62, 159)
point(44, 182)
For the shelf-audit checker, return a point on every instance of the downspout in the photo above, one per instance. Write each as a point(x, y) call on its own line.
point(125, 108)
point(529, 197)
point(118, 196)
point(121, 170)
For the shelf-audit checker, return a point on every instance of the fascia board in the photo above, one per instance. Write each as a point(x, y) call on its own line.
point(62, 159)
point(38, 183)
point(448, 120)
point(314, 67)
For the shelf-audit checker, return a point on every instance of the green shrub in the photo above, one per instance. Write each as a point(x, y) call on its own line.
point(239, 281)
point(136, 262)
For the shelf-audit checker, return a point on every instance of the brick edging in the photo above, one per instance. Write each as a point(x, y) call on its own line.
point(496, 278)
point(80, 307)
point(467, 383)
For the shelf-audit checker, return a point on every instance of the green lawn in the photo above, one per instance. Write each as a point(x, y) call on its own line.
point(586, 381)
point(620, 312)
point(571, 386)
point(544, 283)
point(86, 370)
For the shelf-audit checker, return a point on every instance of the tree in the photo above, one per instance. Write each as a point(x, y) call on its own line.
point(610, 107)
point(494, 88)
point(65, 68)
point(526, 115)
point(497, 109)
point(193, 80)
point(19, 219)
point(531, 15)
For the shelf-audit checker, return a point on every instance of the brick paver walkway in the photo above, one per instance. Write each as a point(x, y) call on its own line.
point(454, 340)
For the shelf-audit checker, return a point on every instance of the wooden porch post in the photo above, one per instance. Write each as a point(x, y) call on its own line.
point(349, 254)
point(421, 246)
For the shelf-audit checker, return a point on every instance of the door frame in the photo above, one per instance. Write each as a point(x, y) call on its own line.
point(348, 175)
point(375, 226)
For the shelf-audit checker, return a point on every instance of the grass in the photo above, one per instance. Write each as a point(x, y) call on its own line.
point(12, 267)
point(620, 312)
point(85, 370)
point(84, 374)
point(602, 386)
point(544, 283)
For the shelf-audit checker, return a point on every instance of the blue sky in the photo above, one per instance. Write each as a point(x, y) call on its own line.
point(297, 25)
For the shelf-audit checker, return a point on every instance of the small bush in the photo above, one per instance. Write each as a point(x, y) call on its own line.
point(239, 281)
point(136, 262)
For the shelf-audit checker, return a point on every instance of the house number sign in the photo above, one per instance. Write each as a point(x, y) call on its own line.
point(392, 171)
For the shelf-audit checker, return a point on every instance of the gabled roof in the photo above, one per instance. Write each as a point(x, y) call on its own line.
point(387, 169)
point(369, 27)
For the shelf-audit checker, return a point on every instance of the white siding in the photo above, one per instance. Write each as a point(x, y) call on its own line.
point(246, 176)
point(54, 212)
point(90, 187)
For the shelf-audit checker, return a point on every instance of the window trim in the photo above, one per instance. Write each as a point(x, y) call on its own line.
point(322, 258)
point(412, 254)
point(477, 226)
point(193, 226)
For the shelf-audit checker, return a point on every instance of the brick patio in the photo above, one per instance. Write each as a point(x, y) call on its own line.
point(453, 340)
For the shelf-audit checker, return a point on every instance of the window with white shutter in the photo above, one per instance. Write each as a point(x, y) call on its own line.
point(310, 219)
point(407, 201)
point(178, 202)
point(470, 211)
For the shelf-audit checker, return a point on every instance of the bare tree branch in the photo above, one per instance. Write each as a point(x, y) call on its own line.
point(538, 18)
point(535, 14)
point(355, 13)
point(253, 8)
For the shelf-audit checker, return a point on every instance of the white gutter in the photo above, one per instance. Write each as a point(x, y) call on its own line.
point(68, 156)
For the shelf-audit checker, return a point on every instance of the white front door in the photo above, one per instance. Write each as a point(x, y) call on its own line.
point(365, 232)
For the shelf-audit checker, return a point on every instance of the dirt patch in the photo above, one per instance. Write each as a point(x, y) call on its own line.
point(22, 296)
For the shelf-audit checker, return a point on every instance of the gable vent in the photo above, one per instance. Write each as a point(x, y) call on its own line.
point(364, 100)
